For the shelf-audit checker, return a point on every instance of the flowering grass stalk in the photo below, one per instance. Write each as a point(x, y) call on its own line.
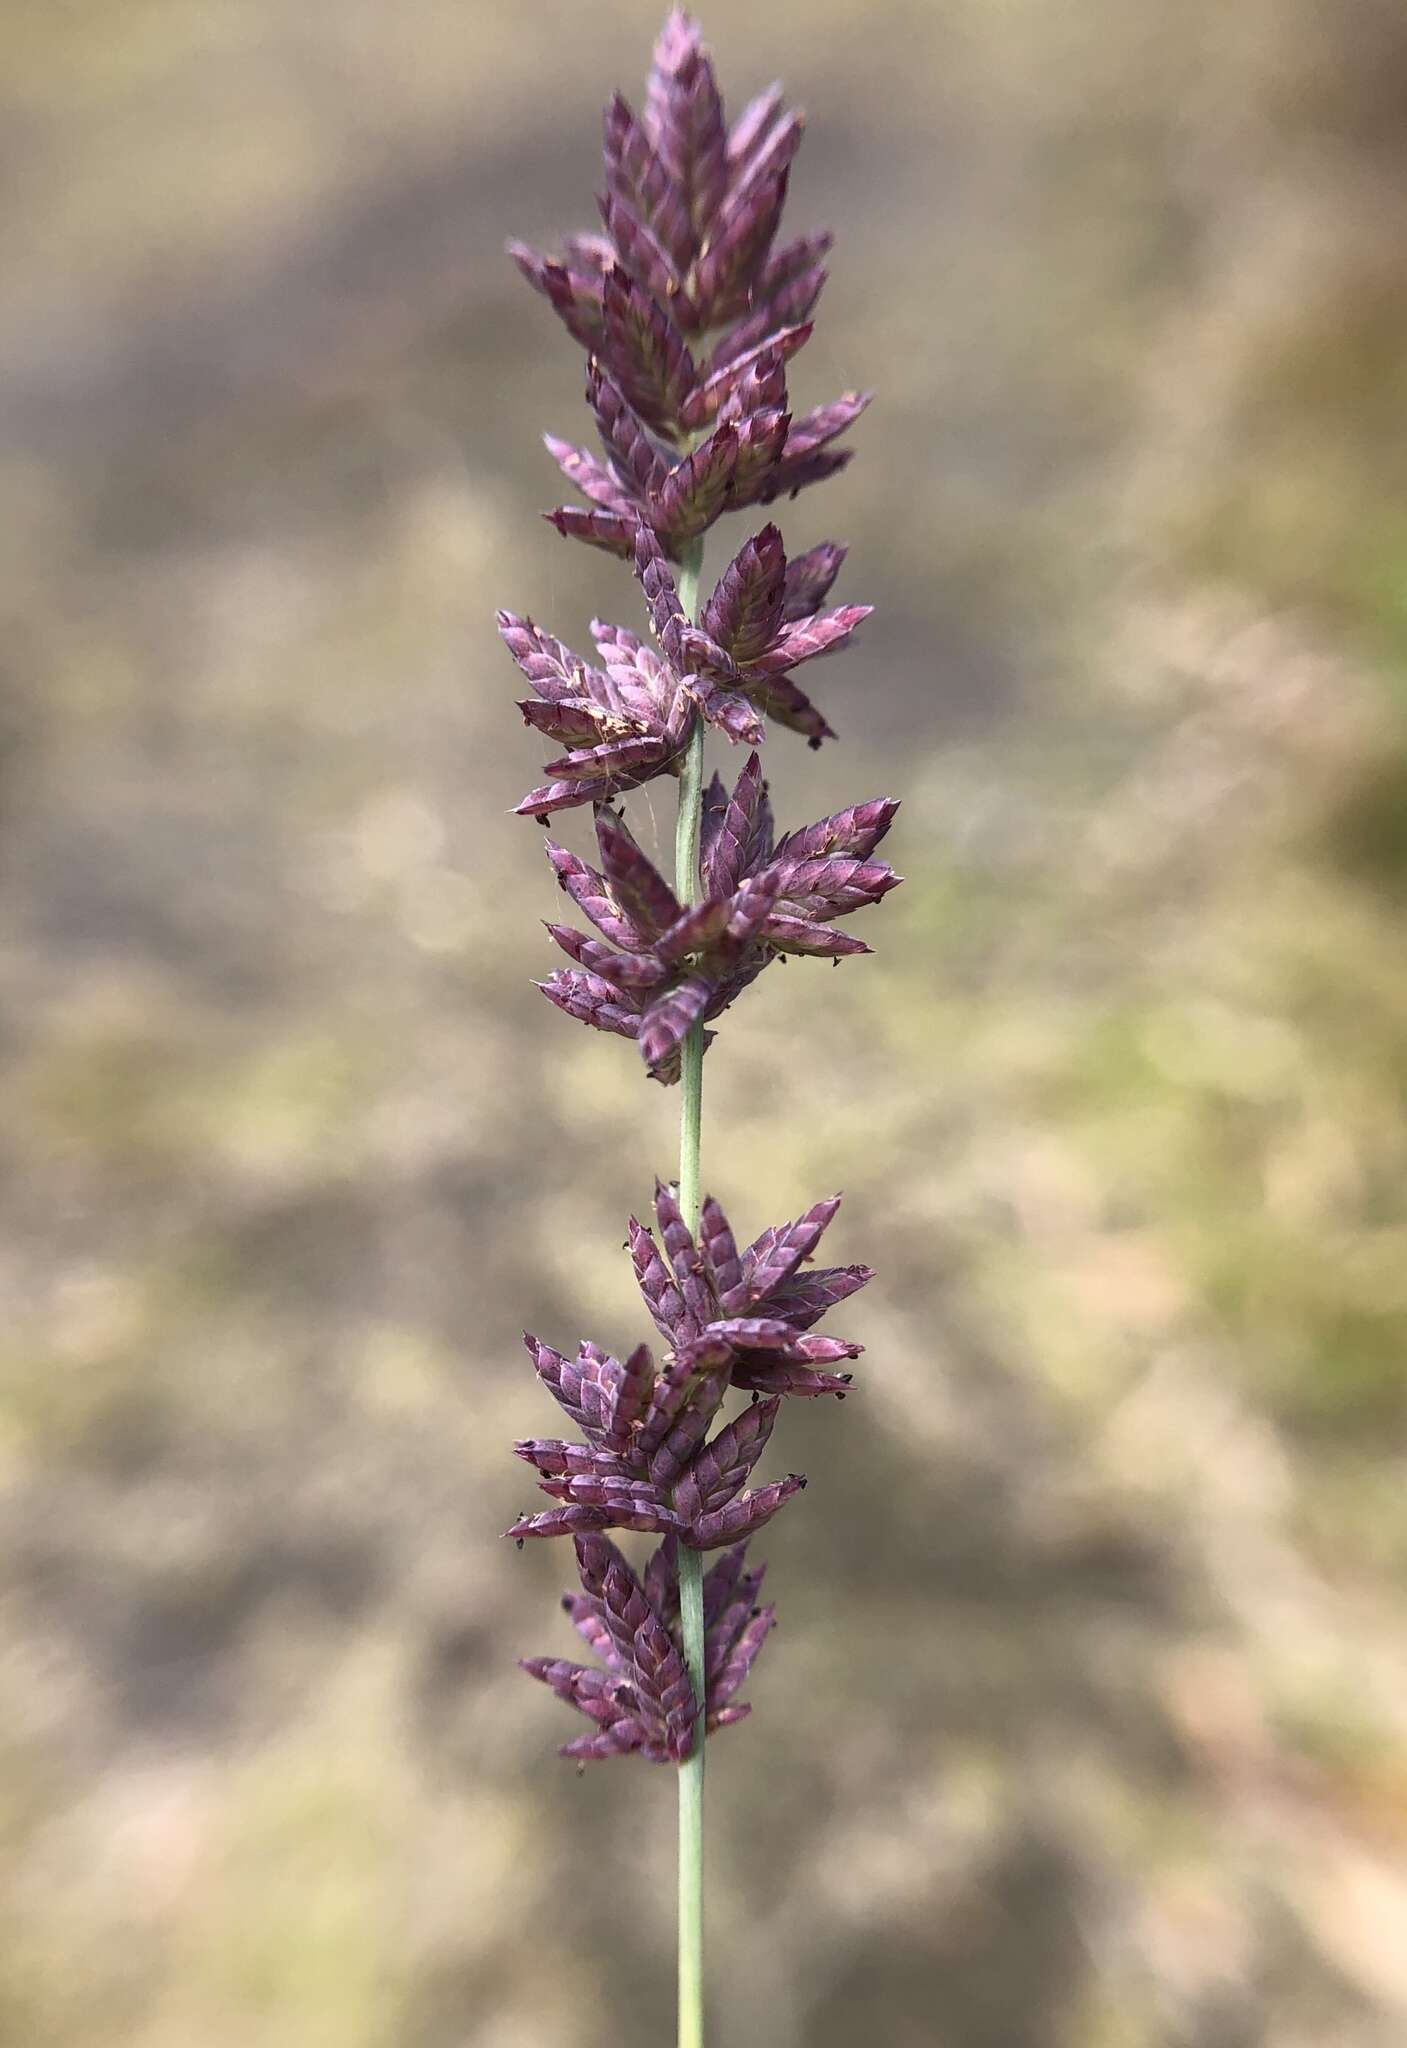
point(689, 314)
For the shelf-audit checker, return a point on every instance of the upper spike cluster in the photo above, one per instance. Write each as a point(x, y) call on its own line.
point(690, 314)
point(690, 209)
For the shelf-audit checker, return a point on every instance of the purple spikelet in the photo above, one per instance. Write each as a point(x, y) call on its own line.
point(692, 314)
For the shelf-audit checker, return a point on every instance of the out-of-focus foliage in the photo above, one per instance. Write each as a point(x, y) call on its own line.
point(1085, 1727)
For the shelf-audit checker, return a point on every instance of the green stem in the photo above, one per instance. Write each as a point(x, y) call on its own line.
point(691, 1815)
point(691, 1771)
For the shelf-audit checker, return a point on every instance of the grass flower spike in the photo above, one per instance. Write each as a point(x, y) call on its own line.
point(691, 313)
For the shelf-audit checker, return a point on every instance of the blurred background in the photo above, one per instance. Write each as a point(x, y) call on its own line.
point(1086, 1723)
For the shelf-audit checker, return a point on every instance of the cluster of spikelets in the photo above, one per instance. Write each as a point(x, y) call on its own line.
point(731, 1318)
point(641, 1700)
point(691, 210)
point(689, 315)
point(661, 966)
point(629, 720)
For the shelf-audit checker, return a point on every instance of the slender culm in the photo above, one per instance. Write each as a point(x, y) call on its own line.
point(689, 310)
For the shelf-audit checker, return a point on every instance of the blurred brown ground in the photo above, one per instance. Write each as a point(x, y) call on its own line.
point(1086, 1725)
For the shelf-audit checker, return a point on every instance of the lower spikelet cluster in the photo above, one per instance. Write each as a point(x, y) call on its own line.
point(732, 1319)
point(638, 1693)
